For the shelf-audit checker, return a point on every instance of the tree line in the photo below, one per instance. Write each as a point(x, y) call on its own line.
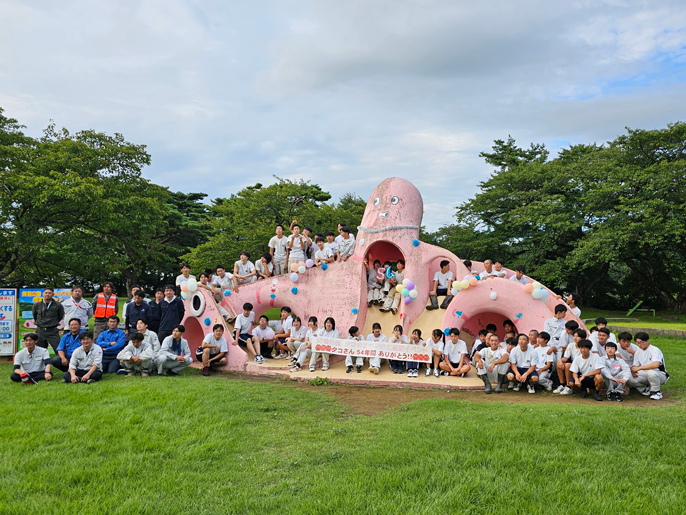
point(607, 221)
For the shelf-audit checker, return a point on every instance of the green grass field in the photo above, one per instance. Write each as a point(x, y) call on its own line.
point(645, 319)
point(213, 445)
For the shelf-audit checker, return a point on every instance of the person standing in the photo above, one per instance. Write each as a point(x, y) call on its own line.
point(106, 305)
point(77, 307)
point(47, 315)
point(137, 310)
point(278, 249)
point(173, 311)
point(156, 310)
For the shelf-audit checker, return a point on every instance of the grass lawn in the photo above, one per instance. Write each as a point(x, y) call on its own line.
point(645, 319)
point(213, 445)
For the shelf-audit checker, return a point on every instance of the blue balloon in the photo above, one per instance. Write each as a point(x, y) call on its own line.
point(446, 331)
point(477, 277)
point(272, 296)
point(227, 292)
point(355, 311)
point(294, 290)
point(208, 321)
point(415, 243)
point(325, 266)
point(389, 273)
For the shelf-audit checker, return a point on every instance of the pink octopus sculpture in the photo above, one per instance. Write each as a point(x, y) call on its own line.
point(389, 232)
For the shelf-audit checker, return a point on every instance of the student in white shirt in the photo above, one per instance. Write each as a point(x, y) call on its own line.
point(498, 269)
point(221, 282)
point(376, 336)
point(601, 323)
point(305, 349)
point(85, 364)
point(185, 275)
point(488, 273)
point(282, 330)
point(626, 349)
point(330, 243)
point(244, 324)
point(213, 350)
point(296, 337)
point(586, 371)
point(523, 363)
point(137, 356)
point(340, 233)
point(648, 372)
point(244, 270)
point(455, 362)
point(443, 280)
point(557, 350)
point(323, 254)
point(615, 372)
point(519, 275)
point(330, 331)
point(264, 336)
point(31, 363)
point(374, 287)
point(346, 245)
point(264, 267)
point(492, 363)
point(573, 302)
point(392, 295)
point(436, 343)
point(149, 336)
point(545, 368)
point(565, 364)
point(354, 334)
point(174, 355)
point(397, 366)
point(278, 249)
point(413, 366)
point(468, 264)
point(297, 244)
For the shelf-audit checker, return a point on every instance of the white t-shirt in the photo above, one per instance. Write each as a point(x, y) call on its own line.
point(279, 325)
point(627, 356)
point(180, 279)
point(489, 356)
point(244, 269)
point(331, 246)
point(346, 247)
point(648, 356)
point(245, 323)
point(313, 334)
point(523, 280)
point(572, 352)
point(32, 362)
point(543, 357)
point(444, 280)
point(261, 333)
point(439, 345)
point(594, 338)
point(300, 333)
point(403, 339)
point(583, 366)
point(331, 334)
point(502, 273)
point(280, 247)
point(339, 238)
point(454, 351)
point(324, 253)
point(524, 358)
point(484, 274)
point(223, 282)
point(380, 338)
point(259, 266)
point(221, 343)
point(297, 253)
point(576, 311)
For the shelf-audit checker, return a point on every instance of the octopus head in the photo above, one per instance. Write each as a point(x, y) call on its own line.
point(394, 205)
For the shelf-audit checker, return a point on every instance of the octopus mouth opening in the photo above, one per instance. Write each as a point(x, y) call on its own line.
point(389, 228)
point(383, 251)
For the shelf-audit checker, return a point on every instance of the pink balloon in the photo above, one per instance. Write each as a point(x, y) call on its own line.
point(408, 299)
point(410, 285)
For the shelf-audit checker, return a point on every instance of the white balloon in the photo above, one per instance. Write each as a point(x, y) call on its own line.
point(405, 281)
point(192, 286)
point(414, 294)
point(537, 294)
point(494, 295)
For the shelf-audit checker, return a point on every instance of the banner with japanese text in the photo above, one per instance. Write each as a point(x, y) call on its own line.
point(369, 349)
point(8, 321)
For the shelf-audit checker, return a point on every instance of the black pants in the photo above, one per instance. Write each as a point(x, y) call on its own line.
point(397, 364)
point(36, 376)
point(162, 335)
point(441, 291)
point(57, 363)
point(110, 364)
point(95, 376)
point(49, 336)
point(588, 382)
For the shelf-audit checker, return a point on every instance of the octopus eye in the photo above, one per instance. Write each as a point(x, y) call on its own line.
point(394, 200)
point(376, 201)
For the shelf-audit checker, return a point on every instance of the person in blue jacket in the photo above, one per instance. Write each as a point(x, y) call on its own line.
point(68, 344)
point(173, 311)
point(112, 342)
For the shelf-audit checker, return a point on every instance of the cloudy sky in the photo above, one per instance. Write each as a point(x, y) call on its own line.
point(342, 93)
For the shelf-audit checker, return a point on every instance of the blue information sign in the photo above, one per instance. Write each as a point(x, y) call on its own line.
point(8, 321)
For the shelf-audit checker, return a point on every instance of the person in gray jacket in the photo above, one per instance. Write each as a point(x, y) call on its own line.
point(615, 372)
point(137, 356)
point(174, 355)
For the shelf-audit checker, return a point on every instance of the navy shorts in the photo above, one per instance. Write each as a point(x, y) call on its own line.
point(524, 370)
point(243, 338)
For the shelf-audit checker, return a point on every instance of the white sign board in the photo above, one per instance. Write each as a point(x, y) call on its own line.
point(8, 321)
point(364, 348)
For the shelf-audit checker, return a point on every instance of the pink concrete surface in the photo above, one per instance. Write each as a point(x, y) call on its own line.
point(389, 228)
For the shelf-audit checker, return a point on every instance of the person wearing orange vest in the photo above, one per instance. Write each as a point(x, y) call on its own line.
point(105, 304)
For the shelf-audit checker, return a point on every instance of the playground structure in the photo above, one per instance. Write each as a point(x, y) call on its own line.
point(389, 232)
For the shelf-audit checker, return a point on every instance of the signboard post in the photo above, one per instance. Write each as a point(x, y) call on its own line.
point(8, 321)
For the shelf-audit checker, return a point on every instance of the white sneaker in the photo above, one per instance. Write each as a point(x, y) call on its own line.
point(567, 391)
point(410, 373)
point(436, 372)
point(416, 373)
point(549, 387)
point(428, 372)
point(510, 386)
point(325, 368)
point(311, 368)
point(559, 389)
point(656, 396)
point(646, 391)
point(257, 360)
point(531, 388)
point(374, 370)
point(517, 386)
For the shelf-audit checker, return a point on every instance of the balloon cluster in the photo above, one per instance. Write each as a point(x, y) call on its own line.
point(301, 268)
point(408, 290)
point(536, 290)
point(463, 284)
point(188, 288)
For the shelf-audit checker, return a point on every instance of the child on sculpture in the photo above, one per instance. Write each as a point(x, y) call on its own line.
point(442, 284)
point(244, 324)
point(213, 349)
point(455, 362)
point(392, 294)
point(305, 350)
point(436, 343)
point(374, 294)
point(296, 337)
